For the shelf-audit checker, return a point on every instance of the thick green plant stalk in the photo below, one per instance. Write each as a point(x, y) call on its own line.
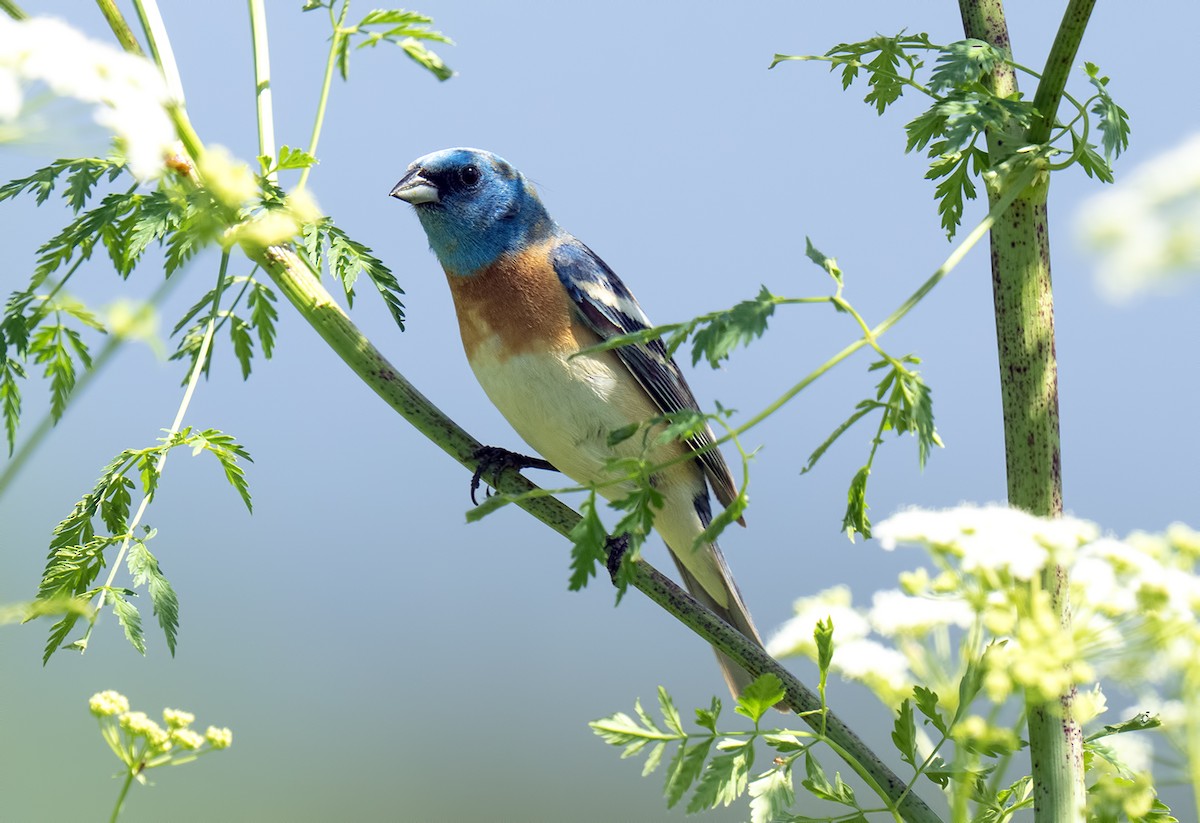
point(1024, 308)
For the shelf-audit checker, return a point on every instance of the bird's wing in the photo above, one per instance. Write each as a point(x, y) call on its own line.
point(608, 308)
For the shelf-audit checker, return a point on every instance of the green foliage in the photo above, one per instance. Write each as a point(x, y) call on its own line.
point(77, 548)
point(1111, 119)
point(324, 244)
point(963, 108)
point(718, 767)
point(635, 525)
point(719, 333)
point(82, 175)
point(907, 408)
point(143, 568)
point(881, 58)
point(714, 335)
point(289, 159)
point(260, 301)
point(588, 545)
point(829, 264)
point(407, 29)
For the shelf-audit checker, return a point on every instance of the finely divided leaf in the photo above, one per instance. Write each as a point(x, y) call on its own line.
point(771, 795)
point(128, 617)
point(963, 64)
point(405, 29)
point(588, 545)
point(754, 701)
point(346, 259)
point(10, 398)
point(145, 570)
point(726, 330)
point(263, 315)
point(885, 76)
point(1113, 121)
point(927, 703)
point(670, 714)
point(829, 264)
point(725, 779)
point(904, 734)
point(685, 767)
point(290, 158)
point(855, 519)
point(227, 451)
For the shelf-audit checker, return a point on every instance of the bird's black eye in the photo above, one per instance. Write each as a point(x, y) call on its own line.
point(469, 176)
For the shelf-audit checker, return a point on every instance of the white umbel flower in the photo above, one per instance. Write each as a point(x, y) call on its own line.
point(1145, 230)
point(125, 93)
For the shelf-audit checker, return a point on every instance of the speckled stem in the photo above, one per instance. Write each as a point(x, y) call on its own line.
point(1024, 307)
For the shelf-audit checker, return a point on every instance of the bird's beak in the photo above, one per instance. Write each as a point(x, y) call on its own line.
point(415, 189)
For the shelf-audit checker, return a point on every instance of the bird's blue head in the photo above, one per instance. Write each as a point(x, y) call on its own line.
point(474, 207)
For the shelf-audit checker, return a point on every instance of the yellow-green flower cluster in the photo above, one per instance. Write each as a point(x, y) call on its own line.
point(238, 197)
point(218, 738)
point(141, 743)
point(108, 703)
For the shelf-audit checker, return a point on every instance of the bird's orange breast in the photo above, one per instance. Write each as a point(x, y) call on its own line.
point(519, 300)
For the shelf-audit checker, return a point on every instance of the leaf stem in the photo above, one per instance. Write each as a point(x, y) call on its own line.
point(1058, 66)
point(121, 797)
point(160, 45)
point(262, 84)
point(335, 44)
point(197, 370)
point(951, 262)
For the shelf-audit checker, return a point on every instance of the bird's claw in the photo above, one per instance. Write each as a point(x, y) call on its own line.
point(614, 549)
point(492, 460)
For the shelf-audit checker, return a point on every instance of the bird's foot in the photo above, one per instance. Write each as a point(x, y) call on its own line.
point(615, 548)
point(492, 460)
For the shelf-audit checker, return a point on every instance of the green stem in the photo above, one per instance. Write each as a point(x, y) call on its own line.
point(177, 113)
point(1024, 309)
point(120, 27)
point(1058, 66)
point(262, 83)
point(121, 797)
point(13, 10)
point(160, 46)
point(335, 42)
point(908, 305)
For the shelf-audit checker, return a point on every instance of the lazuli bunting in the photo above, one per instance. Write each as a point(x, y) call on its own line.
point(530, 298)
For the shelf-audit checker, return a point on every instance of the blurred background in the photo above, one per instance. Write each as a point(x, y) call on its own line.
point(379, 659)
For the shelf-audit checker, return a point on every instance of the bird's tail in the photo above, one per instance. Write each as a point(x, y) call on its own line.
point(735, 614)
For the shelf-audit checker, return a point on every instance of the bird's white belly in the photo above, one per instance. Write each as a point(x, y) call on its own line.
point(564, 408)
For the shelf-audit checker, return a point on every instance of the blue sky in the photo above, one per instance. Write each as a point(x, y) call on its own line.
point(380, 659)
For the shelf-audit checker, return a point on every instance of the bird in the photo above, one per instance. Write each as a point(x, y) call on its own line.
point(532, 301)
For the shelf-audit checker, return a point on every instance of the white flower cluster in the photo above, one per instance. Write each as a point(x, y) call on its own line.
point(1145, 230)
point(1135, 603)
point(126, 93)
